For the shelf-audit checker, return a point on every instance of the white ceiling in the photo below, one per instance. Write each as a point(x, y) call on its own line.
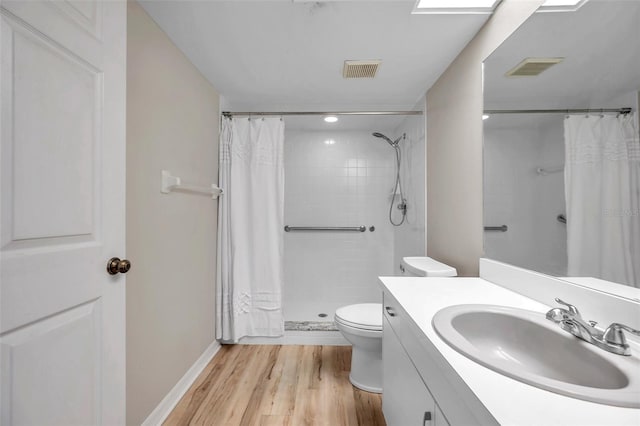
point(601, 46)
point(281, 55)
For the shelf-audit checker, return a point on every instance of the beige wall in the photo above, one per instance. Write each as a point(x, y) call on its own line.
point(172, 124)
point(454, 144)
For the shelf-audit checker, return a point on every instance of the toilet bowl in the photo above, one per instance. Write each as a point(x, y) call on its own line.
point(361, 325)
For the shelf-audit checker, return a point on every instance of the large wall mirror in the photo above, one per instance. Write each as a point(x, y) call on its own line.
point(562, 187)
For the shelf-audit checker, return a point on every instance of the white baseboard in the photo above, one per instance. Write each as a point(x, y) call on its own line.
point(169, 402)
point(294, 337)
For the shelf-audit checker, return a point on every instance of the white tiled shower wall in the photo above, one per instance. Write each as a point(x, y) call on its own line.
point(342, 178)
point(409, 239)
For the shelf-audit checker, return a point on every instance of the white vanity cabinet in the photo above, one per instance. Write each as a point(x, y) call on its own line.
point(419, 386)
point(406, 399)
point(422, 373)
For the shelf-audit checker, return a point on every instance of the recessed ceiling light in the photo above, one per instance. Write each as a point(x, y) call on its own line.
point(455, 6)
point(330, 142)
point(331, 119)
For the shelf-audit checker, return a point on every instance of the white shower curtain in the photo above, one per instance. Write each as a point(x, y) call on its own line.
point(250, 229)
point(602, 190)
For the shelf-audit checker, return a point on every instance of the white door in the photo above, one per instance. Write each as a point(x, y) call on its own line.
point(62, 157)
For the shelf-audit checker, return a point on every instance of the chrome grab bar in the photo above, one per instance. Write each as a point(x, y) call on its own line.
point(360, 228)
point(503, 228)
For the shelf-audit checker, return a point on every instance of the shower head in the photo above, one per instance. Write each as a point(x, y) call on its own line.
point(389, 141)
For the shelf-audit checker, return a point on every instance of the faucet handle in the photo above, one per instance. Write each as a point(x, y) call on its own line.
point(614, 335)
point(572, 309)
point(556, 315)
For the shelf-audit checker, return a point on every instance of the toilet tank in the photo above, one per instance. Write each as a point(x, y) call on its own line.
point(420, 266)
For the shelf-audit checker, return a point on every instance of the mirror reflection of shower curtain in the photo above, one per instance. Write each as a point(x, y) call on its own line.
point(602, 191)
point(250, 223)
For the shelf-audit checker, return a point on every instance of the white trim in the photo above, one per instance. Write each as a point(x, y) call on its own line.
point(293, 337)
point(169, 402)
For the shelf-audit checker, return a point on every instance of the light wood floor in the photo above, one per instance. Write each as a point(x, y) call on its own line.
point(278, 385)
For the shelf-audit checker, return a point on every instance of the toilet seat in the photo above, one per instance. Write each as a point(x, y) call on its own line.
point(363, 316)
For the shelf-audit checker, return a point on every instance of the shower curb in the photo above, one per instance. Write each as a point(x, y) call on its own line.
point(310, 326)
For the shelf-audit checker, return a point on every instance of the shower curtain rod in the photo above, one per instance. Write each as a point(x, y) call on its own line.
point(623, 111)
point(246, 113)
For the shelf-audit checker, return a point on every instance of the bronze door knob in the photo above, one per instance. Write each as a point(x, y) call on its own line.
point(115, 266)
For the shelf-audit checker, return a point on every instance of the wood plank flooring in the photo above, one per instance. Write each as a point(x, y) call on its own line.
point(277, 386)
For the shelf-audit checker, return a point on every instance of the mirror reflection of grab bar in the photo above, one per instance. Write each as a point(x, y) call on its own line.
point(546, 171)
point(502, 228)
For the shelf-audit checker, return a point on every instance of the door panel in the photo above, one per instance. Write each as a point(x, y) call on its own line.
point(55, 137)
point(62, 352)
point(62, 158)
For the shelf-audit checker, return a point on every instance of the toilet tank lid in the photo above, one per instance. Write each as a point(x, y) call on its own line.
point(428, 267)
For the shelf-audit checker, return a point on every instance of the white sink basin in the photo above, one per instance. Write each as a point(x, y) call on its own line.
point(527, 347)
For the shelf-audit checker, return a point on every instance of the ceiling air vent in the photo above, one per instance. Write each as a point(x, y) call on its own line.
point(360, 69)
point(532, 67)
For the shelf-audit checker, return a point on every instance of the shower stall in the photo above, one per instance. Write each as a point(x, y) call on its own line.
point(351, 206)
point(344, 176)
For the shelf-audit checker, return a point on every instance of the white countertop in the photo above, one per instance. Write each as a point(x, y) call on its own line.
point(510, 402)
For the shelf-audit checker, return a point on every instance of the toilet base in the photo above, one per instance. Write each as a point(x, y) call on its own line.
point(364, 387)
point(366, 368)
point(361, 325)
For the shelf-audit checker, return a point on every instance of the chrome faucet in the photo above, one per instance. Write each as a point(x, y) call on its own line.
point(611, 340)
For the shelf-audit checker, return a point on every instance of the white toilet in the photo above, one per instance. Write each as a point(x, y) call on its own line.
point(361, 325)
